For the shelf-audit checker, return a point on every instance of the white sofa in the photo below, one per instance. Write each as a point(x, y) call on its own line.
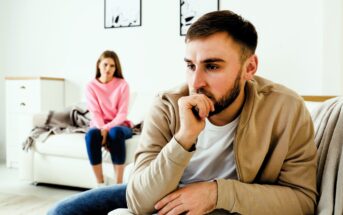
point(62, 159)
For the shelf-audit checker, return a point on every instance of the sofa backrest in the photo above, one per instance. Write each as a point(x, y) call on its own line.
point(140, 102)
point(313, 102)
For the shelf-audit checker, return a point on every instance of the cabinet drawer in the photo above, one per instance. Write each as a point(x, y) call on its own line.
point(23, 96)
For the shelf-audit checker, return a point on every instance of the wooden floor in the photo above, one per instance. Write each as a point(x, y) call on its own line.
point(22, 197)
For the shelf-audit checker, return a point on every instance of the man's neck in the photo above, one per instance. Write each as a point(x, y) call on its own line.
point(230, 113)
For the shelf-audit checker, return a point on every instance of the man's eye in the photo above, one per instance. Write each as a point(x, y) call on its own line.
point(211, 67)
point(191, 66)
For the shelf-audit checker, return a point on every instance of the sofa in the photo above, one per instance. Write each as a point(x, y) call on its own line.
point(62, 159)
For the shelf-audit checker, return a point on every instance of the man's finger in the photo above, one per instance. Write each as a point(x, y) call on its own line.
point(180, 209)
point(170, 206)
point(202, 104)
point(160, 204)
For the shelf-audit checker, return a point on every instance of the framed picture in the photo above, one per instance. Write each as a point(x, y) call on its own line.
point(123, 13)
point(191, 10)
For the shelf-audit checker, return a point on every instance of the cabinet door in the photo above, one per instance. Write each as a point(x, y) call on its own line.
point(17, 130)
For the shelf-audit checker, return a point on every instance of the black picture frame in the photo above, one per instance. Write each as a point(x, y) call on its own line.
point(191, 10)
point(122, 13)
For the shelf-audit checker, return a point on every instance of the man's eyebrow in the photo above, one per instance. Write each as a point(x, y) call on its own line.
point(213, 60)
point(187, 60)
point(210, 60)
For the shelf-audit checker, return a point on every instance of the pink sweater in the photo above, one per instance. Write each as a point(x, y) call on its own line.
point(108, 103)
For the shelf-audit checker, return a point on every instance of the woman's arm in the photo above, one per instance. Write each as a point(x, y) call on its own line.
point(94, 107)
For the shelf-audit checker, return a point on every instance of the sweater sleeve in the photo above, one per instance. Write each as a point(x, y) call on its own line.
point(94, 107)
point(123, 107)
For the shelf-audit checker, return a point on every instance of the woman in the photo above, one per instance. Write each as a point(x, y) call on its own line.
point(107, 98)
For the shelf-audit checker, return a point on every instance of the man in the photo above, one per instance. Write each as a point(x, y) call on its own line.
point(228, 140)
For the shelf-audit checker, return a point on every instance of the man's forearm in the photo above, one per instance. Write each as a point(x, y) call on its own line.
point(156, 176)
point(244, 198)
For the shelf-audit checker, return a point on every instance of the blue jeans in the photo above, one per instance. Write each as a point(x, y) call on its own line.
point(96, 201)
point(115, 143)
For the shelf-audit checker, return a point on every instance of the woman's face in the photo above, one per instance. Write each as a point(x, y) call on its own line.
point(107, 68)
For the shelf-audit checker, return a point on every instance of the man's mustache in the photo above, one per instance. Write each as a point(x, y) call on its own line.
point(206, 93)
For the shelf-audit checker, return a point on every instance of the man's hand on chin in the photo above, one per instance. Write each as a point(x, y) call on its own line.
point(196, 198)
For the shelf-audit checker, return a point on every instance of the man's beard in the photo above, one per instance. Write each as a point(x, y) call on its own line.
point(227, 99)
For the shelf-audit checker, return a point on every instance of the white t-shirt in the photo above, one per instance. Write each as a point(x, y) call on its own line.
point(214, 156)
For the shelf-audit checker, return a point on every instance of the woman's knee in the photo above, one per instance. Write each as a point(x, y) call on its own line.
point(116, 133)
point(93, 133)
point(120, 133)
point(93, 136)
point(58, 209)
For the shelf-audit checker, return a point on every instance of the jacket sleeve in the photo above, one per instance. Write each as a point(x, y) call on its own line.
point(159, 162)
point(94, 107)
point(294, 191)
point(123, 107)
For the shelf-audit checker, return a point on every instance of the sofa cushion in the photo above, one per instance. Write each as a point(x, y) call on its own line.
point(73, 145)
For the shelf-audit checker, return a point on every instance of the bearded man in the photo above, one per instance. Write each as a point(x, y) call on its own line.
point(228, 141)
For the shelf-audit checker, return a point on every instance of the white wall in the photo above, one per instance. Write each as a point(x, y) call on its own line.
point(2, 82)
point(332, 70)
point(300, 44)
point(290, 40)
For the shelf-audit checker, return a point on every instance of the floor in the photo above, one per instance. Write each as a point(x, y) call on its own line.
point(10, 184)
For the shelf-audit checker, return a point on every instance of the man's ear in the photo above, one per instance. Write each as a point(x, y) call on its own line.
point(250, 67)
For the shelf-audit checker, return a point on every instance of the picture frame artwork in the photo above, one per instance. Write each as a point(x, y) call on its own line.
point(123, 13)
point(191, 10)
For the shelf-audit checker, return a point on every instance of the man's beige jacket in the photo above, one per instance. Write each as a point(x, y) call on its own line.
point(274, 151)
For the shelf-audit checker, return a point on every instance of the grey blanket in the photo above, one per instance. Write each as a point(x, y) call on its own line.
point(70, 120)
point(328, 122)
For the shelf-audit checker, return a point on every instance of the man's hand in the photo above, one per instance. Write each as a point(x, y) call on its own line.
point(197, 198)
point(192, 122)
point(104, 133)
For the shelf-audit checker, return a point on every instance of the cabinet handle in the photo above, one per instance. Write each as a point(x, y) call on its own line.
point(22, 104)
point(23, 87)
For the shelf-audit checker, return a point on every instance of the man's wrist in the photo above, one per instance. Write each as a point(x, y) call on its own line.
point(186, 143)
point(214, 193)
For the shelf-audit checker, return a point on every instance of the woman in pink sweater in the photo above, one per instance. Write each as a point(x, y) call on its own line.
point(107, 100)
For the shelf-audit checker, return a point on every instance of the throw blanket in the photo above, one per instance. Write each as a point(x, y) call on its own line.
point(328, 123)
point(70, 120)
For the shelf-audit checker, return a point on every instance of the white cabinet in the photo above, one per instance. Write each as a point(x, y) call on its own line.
point(26, 96)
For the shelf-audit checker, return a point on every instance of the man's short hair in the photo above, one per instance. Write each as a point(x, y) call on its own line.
point(241, 30)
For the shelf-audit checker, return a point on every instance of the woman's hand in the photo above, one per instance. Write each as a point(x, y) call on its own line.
point(104, 133)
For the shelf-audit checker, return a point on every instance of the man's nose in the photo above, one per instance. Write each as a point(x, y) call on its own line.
point(198, 79)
